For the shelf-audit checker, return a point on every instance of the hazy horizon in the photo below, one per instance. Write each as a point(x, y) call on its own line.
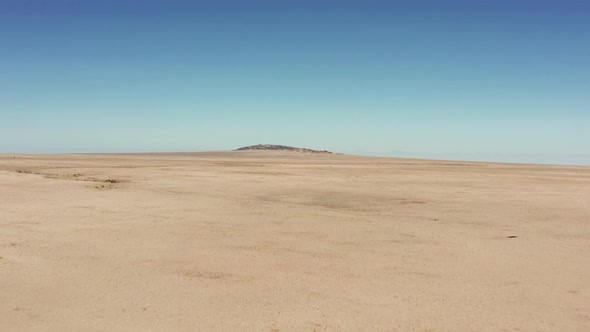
point(509, 159)
point(490, 81)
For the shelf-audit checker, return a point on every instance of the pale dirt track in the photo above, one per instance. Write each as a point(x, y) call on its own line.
point(270, 241)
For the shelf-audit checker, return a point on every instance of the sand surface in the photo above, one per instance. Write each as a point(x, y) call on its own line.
point(276, 241)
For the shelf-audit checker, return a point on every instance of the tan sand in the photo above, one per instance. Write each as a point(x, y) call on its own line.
point(278, 241)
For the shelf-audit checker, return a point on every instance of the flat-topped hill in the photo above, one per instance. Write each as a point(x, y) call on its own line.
point(279, 148)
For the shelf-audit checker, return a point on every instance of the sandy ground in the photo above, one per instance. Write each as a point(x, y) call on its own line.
point(275, 241)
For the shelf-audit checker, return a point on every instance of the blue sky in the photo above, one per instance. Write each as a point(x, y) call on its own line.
point(478, 80)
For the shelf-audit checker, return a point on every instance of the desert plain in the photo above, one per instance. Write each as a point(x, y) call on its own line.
point(288, 241)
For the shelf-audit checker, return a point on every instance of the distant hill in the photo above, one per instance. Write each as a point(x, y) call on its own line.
point(279, 148)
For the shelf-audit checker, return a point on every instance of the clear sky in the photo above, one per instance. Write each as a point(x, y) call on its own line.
point(475, 79)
